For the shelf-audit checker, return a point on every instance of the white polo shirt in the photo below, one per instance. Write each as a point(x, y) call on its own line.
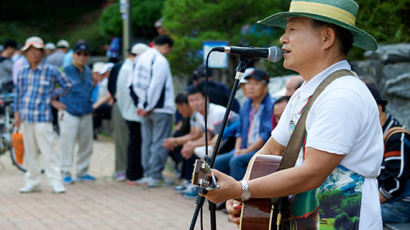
point(344, 120)
point(216, 114)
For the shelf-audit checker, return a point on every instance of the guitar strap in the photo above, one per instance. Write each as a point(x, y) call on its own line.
point(291, 153)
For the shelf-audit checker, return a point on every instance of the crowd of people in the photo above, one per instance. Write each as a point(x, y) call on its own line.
point(55, 87)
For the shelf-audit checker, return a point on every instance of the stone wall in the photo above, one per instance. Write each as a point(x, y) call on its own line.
point(389, 66)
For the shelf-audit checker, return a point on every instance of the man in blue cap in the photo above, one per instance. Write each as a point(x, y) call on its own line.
point(343, 142)
point(76, 120)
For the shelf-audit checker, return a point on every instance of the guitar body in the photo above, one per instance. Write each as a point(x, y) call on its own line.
point(257, 213)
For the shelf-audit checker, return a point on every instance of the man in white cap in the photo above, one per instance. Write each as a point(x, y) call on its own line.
point(49, 48)
point(126, 122)
point(103, 106)
point(57, 57)
point(35, 92)
point(75, 121)
point(342, 141)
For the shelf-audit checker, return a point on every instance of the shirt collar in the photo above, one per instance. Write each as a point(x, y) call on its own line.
point(40, 66)
point(307, 89)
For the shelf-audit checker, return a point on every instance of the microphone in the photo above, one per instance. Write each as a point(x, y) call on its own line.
point(273, 54)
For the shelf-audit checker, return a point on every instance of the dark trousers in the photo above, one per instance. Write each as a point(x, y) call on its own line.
point(102, 112)
point(134, 167)
point(188, 167)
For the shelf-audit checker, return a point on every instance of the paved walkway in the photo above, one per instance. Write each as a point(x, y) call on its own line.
point(104, 204)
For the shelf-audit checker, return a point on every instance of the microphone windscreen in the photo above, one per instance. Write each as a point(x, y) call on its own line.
point(275, 54)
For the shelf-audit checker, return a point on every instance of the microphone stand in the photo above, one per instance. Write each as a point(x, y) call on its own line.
point(244, 62)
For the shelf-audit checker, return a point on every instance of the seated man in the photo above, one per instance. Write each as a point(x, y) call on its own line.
point(394, 182)
point(254, 126)
point(215, 115)
point(278, 109)
point(180, 137)
point(196, 100)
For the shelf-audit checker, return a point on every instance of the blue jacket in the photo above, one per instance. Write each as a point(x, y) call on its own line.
point(265, 125)
point(78, 100)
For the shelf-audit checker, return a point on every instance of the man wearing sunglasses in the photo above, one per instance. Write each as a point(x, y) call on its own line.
point(76, 120)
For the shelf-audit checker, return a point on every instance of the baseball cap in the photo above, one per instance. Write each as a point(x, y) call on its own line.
point(256, 74)
point(34, 41)
point(98, 66)
point(81, 47)
point(50, 46)
point(200, 72)
point(158, 23)
point(139, 48)
point(63, 44)
point(108, 66)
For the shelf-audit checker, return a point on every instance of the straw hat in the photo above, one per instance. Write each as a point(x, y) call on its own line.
point(339, 12)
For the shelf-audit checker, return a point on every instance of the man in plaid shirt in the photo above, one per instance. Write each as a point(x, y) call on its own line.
point(35, 93)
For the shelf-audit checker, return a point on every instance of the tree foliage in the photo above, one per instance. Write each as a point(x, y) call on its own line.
point(143, 15)
point(49, 19)
point(193, 21)
point(386, 20)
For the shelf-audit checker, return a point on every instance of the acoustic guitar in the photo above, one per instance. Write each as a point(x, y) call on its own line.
point(258, 213)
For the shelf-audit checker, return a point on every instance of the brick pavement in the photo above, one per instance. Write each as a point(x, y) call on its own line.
point(104, 204)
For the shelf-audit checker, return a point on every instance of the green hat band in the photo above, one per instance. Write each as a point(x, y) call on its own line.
point(323, 10)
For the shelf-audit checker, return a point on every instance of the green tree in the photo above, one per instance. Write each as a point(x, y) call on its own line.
point(143, 15)
point(386, 20)
point(193, 21)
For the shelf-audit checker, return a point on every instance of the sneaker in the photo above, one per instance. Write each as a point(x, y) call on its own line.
point(86, 177)
point(142, 181)
point(120, 176)
point(68, 180)
point(155, 183)
point(58, 188)
point(182, 186)
point(190, 192)
point(30, 189)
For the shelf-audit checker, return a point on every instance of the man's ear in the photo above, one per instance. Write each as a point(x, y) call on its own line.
point(328, 38)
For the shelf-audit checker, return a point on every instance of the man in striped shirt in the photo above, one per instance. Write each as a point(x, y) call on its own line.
point(35, 93)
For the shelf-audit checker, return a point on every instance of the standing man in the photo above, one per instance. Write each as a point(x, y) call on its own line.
point(6, 66)
point(35, 92)
point(76, 123)
point(343, 147)
point(57, 57)
point(155, 90)
point(127, 124)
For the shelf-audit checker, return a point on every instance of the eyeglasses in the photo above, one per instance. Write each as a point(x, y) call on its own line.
point(82, 54)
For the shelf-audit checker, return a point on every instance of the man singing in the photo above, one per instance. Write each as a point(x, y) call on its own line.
point(343, 145)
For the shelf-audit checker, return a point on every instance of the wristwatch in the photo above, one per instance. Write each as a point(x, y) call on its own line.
point(246, 194)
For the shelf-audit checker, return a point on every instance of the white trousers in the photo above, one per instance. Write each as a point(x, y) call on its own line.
point(75, 129)
point(40, 137)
